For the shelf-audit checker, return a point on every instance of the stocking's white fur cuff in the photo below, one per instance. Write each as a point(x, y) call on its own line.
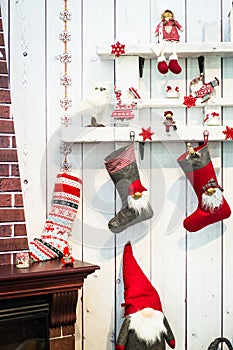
point(210, 203)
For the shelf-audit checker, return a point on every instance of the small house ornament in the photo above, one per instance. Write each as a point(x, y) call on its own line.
point(212, 119)
point(172, 92)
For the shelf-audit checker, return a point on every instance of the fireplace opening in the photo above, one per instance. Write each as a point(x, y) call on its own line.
point(24, 324)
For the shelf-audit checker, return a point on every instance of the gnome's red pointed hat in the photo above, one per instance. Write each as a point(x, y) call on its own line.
point(139, 292)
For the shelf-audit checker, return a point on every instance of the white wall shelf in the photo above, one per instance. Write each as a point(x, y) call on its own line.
point(184, 50)
point(122, 134)
point(178, 102)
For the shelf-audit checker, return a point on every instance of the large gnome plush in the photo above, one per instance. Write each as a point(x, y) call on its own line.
point(145, 327)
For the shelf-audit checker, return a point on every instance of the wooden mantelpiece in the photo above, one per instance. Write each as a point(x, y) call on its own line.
point(46, 277)
point(60, 283)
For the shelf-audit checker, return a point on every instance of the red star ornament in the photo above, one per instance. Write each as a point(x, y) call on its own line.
point(118, 49)
point(228, 133)
point(189, 101)
point(146, 134)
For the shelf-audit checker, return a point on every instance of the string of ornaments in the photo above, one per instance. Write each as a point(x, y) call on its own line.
point(66, 81)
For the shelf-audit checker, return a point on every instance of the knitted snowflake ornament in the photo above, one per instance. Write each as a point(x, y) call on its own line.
point(60, 219)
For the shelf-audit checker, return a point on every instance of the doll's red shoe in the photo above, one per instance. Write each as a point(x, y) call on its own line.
point(173, 64)
point(162, 65)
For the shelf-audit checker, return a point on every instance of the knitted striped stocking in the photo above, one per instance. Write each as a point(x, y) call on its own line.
point(60, 219)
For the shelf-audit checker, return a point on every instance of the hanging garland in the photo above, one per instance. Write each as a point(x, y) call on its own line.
point(65, 80)
point(65, 58)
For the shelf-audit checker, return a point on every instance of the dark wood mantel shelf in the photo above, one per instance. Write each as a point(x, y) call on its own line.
point(60, 284)
point(46, 277)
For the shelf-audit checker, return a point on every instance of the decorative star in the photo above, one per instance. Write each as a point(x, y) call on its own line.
point(118, 49)
point(146, 134)
point(189, 101)
point(228, 133)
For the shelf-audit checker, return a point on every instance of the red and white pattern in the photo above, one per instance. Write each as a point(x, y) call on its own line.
point(58, 226)
point(122, 111)
point(124, 159)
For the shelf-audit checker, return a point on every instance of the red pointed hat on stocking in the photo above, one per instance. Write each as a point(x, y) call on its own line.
point(139, 292)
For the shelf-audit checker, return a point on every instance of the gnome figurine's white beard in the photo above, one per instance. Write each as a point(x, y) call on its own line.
point(148, 328)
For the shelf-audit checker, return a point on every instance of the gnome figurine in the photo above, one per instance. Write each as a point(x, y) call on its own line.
point(145, 327)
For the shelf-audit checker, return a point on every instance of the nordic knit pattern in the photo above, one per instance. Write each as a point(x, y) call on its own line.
point(60, 219)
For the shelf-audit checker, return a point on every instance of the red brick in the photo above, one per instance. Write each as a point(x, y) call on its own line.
point(5, 200)
point(4, 81)
point(20, 230)
point(4, 170)
point(5, 141)
point(7, 127)
point(18, 200)
point(12, 244)
point(15, 169)
point(13, 142)
point(2, 40)
point(3, 66)
point(5, 112)
point(8, 155)
point(12, 215)
point(5, 230)
point(5, 96)
point(5, 259)
point(10, 184)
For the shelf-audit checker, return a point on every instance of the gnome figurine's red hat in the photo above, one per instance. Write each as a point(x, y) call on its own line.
point(139, 292)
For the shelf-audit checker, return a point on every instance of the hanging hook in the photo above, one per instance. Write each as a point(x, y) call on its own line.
point(206, 136)
point(132, 136)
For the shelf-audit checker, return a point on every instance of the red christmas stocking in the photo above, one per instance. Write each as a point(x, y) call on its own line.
point(58, 226)
point(212, 206)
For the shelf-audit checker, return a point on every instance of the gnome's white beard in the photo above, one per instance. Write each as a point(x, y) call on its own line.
point(210, 203)
point(148, 329)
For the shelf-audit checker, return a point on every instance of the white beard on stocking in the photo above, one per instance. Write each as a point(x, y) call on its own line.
point(212, 202)
point(148, 329)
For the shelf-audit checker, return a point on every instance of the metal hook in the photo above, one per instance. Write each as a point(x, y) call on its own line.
point(132, 136)
point(206, 136)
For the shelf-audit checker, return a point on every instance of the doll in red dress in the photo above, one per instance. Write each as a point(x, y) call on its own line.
point(168, 30)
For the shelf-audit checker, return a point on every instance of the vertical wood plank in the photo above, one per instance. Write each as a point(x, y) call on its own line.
point(28, 79)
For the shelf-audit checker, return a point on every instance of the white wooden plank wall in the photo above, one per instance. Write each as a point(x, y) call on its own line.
point(193, 272)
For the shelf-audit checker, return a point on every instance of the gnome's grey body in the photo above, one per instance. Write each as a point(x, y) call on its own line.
point(129, 340)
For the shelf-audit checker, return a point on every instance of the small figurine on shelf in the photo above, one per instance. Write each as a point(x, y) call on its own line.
point(206, 90)
point(191, 152)
point(204, 93)
point(167, 30)
point(123, 111)
point(97, 103)
point(169, 122)
point(67, 259)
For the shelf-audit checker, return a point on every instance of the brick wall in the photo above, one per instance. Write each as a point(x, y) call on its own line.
point(13, 235)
